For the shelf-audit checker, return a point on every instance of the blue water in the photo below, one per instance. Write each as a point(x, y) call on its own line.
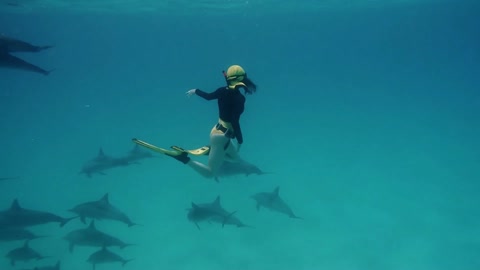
point(367, 117)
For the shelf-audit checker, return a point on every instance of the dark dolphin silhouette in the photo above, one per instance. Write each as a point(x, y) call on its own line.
point(16, 233)
point(213, 212)
point(101, 163)
point(17, 216)
point(273, 201)
point(24, 253)
point(92, 237)
point(242, 167)
point(105, 256)
point(101, 209)
point(10, 45)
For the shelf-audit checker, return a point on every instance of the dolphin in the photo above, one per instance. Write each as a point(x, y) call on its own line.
point(101, 209)
point(90, 236)
point(105, 256)
point(229, 168)
point(274, 202)
point(212, 212)
point(24, 253)
point(17, 216)
point(102, 163)
point(9, 45)
point(15, 233)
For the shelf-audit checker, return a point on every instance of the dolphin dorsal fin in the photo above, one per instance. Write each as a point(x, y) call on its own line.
point(275, 191)
point(105, 198)
point(217, 201)
point(92, 225)
point(15, 205)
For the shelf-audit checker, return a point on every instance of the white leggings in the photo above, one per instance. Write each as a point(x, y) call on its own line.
point(221, 148)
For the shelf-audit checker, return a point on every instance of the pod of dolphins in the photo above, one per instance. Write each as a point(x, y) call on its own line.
point(16, 220)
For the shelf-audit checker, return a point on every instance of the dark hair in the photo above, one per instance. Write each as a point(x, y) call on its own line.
point(251, 86)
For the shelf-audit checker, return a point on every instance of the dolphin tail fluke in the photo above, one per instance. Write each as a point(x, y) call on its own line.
point(66, 220)
point(126, 245)
point(41, 48)
point(40, 236)
point(131, 224)
point(126, 261)
point(296, 217)
point(47, 72)
point(43, 257)
point(227, 218)
point(245, 226)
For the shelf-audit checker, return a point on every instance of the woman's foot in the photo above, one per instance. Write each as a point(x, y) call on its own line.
point(182, 157)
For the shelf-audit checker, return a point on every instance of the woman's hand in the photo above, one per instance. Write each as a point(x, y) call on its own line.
point(191, 92)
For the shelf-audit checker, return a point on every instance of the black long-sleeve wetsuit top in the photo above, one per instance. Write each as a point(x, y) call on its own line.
point(231, 104)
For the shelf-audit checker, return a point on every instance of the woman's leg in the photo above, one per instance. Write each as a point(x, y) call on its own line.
point(231, 153)
point(215, 157)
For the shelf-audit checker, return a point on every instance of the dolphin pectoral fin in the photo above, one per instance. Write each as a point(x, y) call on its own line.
point(41, 48)
point(12, 262)
point(297, 217)
point(82, 219)
point(258, 207)
point(126, 245)
point(65, 221)
point(196, 224)
point(102, 173)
